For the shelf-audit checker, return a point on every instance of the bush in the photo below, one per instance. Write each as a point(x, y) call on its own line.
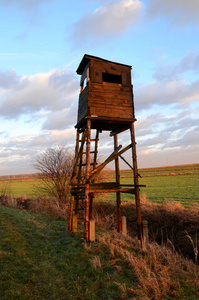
point(55, 167)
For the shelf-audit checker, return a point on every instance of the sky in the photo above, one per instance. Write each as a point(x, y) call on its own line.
point(42, 44)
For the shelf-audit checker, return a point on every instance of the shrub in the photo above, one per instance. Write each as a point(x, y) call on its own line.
point(55, 167)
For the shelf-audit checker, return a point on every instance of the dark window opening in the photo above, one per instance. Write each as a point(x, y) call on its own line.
point(106, 77)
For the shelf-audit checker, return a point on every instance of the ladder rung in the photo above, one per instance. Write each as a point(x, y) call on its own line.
point(92, 140)
point(81, 165)
point(92, 152)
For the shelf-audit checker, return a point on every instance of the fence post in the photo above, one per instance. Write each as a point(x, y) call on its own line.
point(74, 223)
point(91, 230)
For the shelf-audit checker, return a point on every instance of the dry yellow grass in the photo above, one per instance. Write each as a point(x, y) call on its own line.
point(159, 271)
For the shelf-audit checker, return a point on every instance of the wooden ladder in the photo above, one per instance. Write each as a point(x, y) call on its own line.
point(78, 178)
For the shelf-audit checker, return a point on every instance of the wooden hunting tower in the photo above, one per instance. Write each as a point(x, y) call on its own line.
point(106, 94)
point(105, 104)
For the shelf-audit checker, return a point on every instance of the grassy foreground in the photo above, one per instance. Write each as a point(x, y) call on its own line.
point(39, 259)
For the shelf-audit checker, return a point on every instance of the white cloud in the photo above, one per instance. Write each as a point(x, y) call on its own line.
point(45, 103)
point(189, 62)
point(51, 91)
point(181, 12)
point(178, 93)
point(109, 20)
point(18, 153)
point(60, 120)
point(8, 78)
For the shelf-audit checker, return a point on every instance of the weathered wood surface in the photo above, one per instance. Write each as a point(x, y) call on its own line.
point(71, 212)
point(136, 182)
point(101, 98)
point(88, 58)
point(117, 179)
point(95, 87)
point(87, 187)
point(115, 113)
point(102, 102)
point(109, 67)
point(112, 190)
point(102, 185)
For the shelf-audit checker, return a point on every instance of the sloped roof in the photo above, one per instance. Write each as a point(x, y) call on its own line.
point(88, 57)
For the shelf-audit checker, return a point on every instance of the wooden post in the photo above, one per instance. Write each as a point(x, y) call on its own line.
point(92, 230)
point(145, 233)
point(71, 213)
point(124, 228)
point(137, 190)
point(87, 198)
point(118, 195)
point(95, 151)
point(74, 225)
point(91, 197)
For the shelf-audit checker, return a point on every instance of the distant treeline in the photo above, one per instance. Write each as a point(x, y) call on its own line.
point(20, 176)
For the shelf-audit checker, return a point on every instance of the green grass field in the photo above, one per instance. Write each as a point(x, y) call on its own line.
point(176, 183)
point(20, 187)
point(40, 259)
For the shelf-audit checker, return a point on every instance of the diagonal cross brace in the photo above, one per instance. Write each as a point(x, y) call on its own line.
point(113, 156)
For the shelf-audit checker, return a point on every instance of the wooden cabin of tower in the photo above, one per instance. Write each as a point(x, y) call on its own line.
point(105, 104)
point(106, 94)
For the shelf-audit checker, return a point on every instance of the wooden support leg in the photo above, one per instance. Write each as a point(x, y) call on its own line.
point(118, 195)
point(95, 151)
point(71, 213)
point(72, 179)
point(91, 196)
point(87, 198)
point(137, 190)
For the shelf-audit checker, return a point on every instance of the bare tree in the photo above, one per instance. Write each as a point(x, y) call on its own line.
point(55, 166)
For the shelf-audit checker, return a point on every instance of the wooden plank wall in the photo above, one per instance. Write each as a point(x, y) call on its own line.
point(110, 99)
point(106, 99)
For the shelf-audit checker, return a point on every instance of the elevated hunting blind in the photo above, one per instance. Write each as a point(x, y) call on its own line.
point(105, 104)
point(106, 94)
